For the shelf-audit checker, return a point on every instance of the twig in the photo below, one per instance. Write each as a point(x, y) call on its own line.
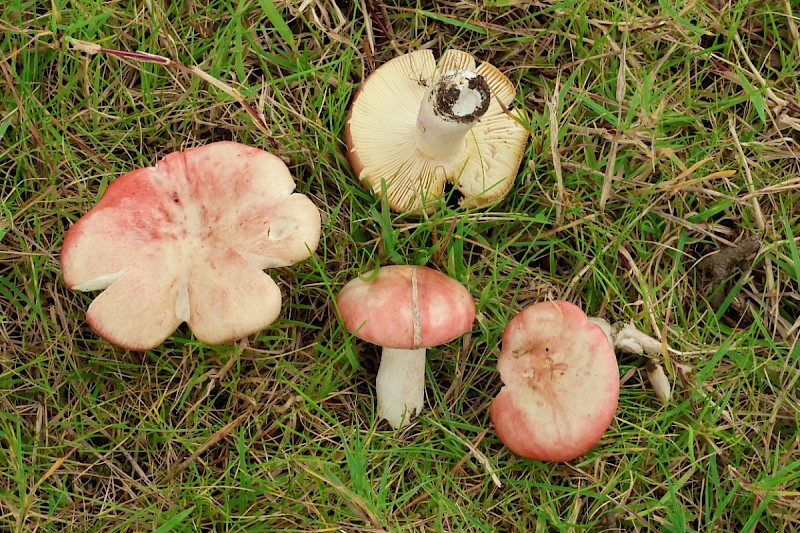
point(382, 24)
point(552, 105)
point(215, 376)
point(50, 471)
point(692, 227)
point(365, 7)
point(215, 438)
point(145, 57)
point(685, 384)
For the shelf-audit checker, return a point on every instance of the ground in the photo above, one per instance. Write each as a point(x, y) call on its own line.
point(662, 134)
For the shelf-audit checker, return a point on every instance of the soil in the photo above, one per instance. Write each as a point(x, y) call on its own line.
point(447, 96)
point(726, 262)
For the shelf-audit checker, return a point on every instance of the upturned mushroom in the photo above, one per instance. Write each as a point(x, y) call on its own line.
point(561, 383)
point(415, 126)
point(187, 241)
point(405, 310)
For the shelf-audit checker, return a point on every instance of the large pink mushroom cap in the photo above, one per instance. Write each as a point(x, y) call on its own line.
point(561, 383)
point(187, 241)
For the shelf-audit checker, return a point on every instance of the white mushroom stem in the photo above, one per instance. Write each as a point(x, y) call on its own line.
point(400, 385)
point(452, 105)
point(630, 340)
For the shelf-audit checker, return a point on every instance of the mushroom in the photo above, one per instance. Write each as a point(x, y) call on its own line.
point(187, 241)
point(413, 126)
point(405, 310)
point(626, 338)
point(561, 383)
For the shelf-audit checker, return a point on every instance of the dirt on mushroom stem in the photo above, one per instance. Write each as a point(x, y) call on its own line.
point(452, 105)
point(450, 90)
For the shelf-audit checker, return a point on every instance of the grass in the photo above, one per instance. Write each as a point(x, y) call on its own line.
point(661, 132)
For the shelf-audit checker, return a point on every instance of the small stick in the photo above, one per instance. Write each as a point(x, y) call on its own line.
point(552, 104)
point(145, 57)
point(215, 438)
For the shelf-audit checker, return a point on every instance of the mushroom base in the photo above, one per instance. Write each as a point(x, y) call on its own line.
point(400, 385)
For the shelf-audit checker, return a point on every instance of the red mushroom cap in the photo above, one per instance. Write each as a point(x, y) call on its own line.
point(561, 383)
point(187, 240)
point(406, 307)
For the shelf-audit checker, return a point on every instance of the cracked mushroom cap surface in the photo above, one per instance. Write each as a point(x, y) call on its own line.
point(561, 383)
point(188, 241)
point(382, 126)
point(406, 307)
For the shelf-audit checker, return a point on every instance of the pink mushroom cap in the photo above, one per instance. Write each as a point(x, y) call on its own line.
point(561, 383)
point(187, 241)
point(406, 307)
